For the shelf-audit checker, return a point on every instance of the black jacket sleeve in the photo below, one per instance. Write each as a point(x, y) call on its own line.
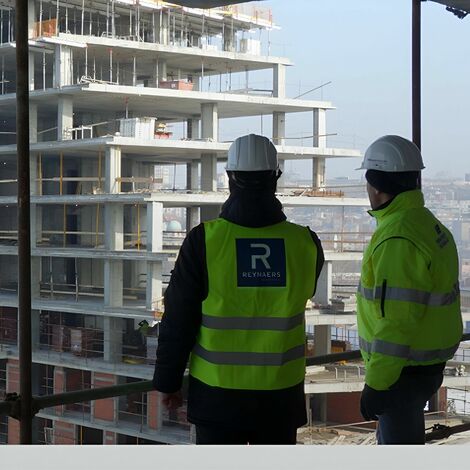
point(183, 313)
point(320, 257)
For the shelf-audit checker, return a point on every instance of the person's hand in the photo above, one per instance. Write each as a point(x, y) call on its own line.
point(373, 403)
point(172, 401)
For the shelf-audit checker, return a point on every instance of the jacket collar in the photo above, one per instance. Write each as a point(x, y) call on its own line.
point(403, 201)
point(253, 208)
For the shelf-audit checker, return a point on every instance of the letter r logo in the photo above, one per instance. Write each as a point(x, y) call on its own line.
point(261, 262)
point(262, 257)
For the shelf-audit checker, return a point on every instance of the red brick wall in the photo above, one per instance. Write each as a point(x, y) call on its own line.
point(13, 431)
point(13, 376)
point(153, 410)
point(64, 433)
point(59, 386)
point(13, 386)
point(109, 438)
point(443, 399)
point(344, 408)
point(104, 409)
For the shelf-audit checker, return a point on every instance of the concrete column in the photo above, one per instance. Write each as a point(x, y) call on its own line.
point(196, 86)
point(63, 66)
point(164, 30)
point(154, 284)
point(279, 128)
point(154, 226)
point(319, 173)
point(114, 230)
point(113, 269)
point(209, 129)
point(88, 216)
point(210, 121)
point(162, 71)
point(112, 170)
point(279, 134)
point(319, 140)
point(33, 123)
point(31, 18)
point(31, 70)
point(324, 290)
point(322, 340)
point(64, 117)
point(192, 180)
point(229, 40)
point(279, 81)
point(209, 172)
point(114, 227)
point(113, 282)
point(209, 183)
point(113, 329)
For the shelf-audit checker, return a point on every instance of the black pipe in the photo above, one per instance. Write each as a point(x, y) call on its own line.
point(24, 234)
point(416, 72)
point(416, 76)
point(69, 398)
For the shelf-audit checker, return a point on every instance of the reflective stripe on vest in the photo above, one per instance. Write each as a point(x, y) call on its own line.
point(252, 323)
point(405, 352)
point(250, 358)
point(431, 299)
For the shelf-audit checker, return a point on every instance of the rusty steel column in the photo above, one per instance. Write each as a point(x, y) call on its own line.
point(24, 235)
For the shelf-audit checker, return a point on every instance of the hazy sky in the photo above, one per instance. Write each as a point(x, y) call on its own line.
point(363, 47)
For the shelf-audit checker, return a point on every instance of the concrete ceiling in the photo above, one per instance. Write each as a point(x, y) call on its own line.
point(463, 5)
point(207, 3)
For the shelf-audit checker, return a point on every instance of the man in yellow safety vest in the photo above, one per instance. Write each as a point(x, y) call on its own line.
point(235, 304)
point(408, 302)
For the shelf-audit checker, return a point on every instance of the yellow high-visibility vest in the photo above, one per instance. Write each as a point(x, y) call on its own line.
point(253, 324)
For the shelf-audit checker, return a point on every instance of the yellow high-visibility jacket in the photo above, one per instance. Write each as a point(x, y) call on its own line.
point(252, 335)
point(408, 301)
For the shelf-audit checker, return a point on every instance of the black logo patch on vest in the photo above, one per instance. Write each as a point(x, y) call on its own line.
point(261, 262)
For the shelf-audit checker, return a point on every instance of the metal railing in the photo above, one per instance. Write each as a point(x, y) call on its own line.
point(13, 403)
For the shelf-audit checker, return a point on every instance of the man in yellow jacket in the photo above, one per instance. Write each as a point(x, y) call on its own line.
point(408, 301)
point(235, 307)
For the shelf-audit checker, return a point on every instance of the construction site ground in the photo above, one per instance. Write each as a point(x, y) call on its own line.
point(319, 434)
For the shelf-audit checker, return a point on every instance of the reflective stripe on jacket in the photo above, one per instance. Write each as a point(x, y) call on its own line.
point(253, 328)
point(408, 300)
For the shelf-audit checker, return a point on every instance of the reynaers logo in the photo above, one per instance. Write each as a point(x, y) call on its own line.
point(261, 262)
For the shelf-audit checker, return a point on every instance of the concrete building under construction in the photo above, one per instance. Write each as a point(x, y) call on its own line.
point(123, 95)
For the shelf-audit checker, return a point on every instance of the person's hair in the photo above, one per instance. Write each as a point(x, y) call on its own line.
point(393, 183)
point(257, 180)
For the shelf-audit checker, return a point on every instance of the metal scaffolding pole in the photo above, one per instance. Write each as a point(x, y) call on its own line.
point(416, 72)
point(24, 229)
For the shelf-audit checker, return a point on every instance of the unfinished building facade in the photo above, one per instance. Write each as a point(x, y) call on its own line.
point(122, 96)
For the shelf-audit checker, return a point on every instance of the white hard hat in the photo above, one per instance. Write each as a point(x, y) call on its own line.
point(392, 153)
point(252, 153)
